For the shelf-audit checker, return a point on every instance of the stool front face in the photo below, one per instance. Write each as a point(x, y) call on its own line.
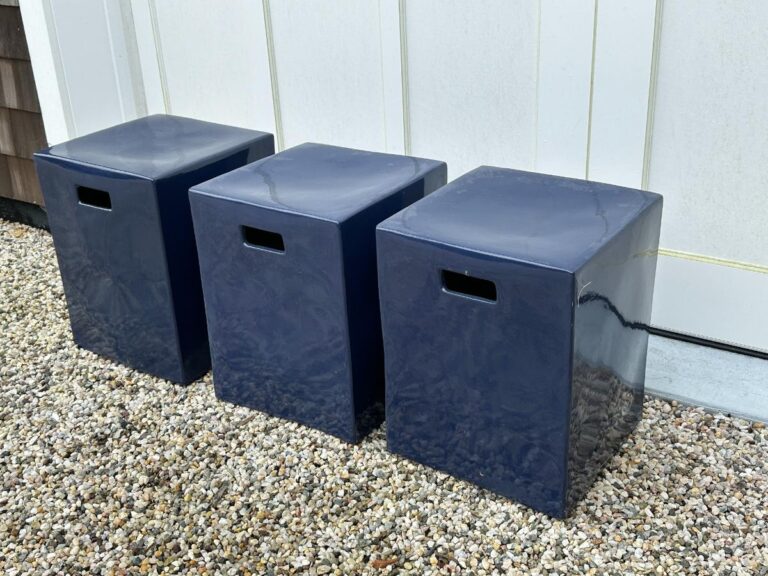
point(477, 355)
point(107, 233)
point(276, 309)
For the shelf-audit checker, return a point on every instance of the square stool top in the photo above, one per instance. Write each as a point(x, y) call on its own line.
point(545, 220)
point(155, 147)
point(327, 182)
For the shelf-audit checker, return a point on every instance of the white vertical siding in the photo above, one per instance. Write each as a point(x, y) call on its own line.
point(710, 137)
point(564, 87)
point(709, 157)
point(81, 44)
point(214, 61)
point(621, 90)
point(93, 64)
point(144, 20)
point(329, 72)
point(565, 77)
point(472, 82)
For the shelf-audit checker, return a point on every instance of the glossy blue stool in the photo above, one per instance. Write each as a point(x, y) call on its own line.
point(288, 263)
point(118, 208)
point(514, 312)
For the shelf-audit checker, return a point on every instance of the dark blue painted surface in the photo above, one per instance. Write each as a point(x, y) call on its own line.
point(296, 332)
point(130, 272)
point(528, 394)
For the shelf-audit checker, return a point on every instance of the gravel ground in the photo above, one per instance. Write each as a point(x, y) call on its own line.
point(108, 471)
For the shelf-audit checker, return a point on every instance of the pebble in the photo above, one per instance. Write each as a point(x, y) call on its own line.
point(104, 470)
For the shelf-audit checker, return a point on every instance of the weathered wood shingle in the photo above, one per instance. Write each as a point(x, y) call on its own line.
point(21, 125)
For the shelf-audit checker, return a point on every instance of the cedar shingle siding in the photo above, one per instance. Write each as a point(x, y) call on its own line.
point(21, 125)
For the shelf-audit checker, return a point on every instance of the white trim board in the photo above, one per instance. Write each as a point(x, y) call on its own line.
point(43, 51)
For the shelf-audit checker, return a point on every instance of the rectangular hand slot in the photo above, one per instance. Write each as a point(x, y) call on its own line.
point(93, 197)
point(470, 286)
point(264, 239)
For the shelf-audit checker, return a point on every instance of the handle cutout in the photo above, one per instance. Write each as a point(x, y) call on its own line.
point(470, 286)
point(263, 239)
point(92, 197)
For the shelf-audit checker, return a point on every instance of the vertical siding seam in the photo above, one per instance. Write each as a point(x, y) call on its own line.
point(536, 88)
point(272, 61)
point(591, 92)
point(115, 75)
point(404, 78)
point(383, 80)
point(134, 61)
point(650, 115)
point(160, 57)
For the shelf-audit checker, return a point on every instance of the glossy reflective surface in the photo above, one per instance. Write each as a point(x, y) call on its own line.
point(129, 264)
point(158, 146)
point(529, 384)
point(326, 182)
point(287, 257)
point(548, 221)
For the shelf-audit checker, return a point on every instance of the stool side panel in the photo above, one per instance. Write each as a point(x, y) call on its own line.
point(478, 389)
point(436, 178)
point(613, 311)
point(262, 147)
point(277, 321)
point(115, 278)
point(181, 254)
point(362, 295)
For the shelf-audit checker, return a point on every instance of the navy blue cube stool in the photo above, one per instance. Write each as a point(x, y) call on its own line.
point(118, 208)
point(287, 251)
point(514, 311)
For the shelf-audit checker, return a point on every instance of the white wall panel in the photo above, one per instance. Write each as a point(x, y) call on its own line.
point(144, 21)
point(712, 300)
point(709, 157)
point(565, 76)
point(125, 58)
point(710, 137)
point(94, 67)
point(472, 82)
point(328, 57)
point(624, 45)
point(213, 60)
